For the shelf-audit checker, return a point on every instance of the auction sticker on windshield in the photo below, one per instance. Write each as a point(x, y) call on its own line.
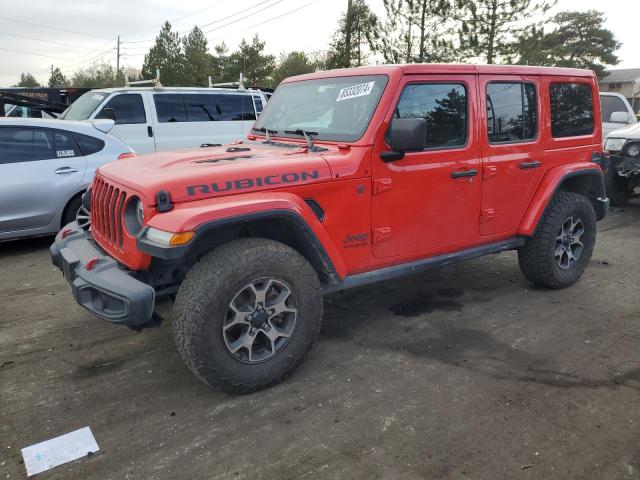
point(361, 90)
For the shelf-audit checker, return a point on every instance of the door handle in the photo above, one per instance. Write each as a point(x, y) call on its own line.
point(530, 164)
point(65, 170)
point(150, 130)
point(472, 172)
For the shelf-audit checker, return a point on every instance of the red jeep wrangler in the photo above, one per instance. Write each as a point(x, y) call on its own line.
point(348, 177)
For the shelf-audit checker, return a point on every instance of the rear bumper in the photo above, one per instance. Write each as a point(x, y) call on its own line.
point(105, 289)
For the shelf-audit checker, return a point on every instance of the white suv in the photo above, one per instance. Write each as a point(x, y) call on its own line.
point(150, 119)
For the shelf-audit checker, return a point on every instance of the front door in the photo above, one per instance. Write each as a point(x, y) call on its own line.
point(513, 152)
point(429, 201)
point(132, 123)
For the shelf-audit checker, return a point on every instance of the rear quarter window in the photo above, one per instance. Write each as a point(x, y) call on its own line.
point(89, 145)
point(571, 109)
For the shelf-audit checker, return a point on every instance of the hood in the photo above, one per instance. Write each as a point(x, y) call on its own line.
point(629, 133)
point(198, 173)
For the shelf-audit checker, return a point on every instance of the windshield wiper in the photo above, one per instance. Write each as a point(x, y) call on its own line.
point(307, 136)
point(267, 133)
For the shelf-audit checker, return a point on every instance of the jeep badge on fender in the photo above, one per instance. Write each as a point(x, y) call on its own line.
point(348, 177)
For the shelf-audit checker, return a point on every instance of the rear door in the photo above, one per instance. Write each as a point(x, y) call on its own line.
point(132, 123)
point(513, 151)
point(40, 169)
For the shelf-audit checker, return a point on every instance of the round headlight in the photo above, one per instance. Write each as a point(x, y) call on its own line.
point(634, 150)
point(140, 212)
point(134, 215)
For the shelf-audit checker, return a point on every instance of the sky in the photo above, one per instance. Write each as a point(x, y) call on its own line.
point(83, 31)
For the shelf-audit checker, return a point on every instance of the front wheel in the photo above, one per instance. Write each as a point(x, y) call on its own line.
point(561, 247)
point(246, 314)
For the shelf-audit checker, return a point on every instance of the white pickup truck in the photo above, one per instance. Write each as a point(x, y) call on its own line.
point(150, 119)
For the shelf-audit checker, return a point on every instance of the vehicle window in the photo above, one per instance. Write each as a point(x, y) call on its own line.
point(201, 108)
point(235, 107)
point(84, 106)
point(89, 145)
point(443, 105)
point(609, 104)
point(170, 108)
point(128, 109)
point(571, 109)
point(511, 112)
point(65, 145)
point(257, 101)
point(25, 145)
point(336, 109)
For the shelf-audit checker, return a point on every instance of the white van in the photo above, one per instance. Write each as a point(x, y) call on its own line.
point(151, 119)
point(616, 113)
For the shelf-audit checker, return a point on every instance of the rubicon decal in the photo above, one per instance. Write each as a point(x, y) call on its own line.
point(245, 183)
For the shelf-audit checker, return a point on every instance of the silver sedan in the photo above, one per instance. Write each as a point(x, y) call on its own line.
point(45, 166)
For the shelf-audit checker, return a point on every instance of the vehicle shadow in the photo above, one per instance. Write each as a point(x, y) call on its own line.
point(25, 245)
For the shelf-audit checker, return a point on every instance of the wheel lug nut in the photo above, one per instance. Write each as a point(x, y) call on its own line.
point(265, 326)
point(252, 331)
point(248, 317)
point(271, 311)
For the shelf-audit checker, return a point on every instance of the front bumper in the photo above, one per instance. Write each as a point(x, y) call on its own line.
point(103, 288)
point(625, 165)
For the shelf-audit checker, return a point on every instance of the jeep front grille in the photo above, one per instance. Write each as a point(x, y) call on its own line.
point(107, 203)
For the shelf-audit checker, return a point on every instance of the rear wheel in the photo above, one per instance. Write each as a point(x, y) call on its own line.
point(246, 314)
point(70, 211)
point(561, 247)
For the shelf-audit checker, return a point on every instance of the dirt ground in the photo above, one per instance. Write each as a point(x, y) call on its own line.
point(464, 372)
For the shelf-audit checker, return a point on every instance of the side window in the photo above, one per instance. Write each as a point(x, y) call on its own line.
point(444, 106)
point(89, 145)
point(201, 108)
point(257, 101)
point(25, 145)
point(571, 109)
point(128, 109)
point(170, 108)
point(609, 105)
point(235, 107)
point(512, 111)
point(65, 145)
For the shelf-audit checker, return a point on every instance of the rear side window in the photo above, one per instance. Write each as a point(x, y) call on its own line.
point(609, 105)
point(511, 112)
point(571, 109)
point(235, 107)
point(170, 108)
point(444, 106)
point(128, 109)
point(257, 101)
point(65, 145)
point(89, 145)
point(25, 145)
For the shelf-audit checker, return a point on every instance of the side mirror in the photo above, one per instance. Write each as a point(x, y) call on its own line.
point(619, 117)
point(405, 135)
point(108, 113)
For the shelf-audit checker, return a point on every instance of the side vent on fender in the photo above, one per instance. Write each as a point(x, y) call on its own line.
point(315, 206)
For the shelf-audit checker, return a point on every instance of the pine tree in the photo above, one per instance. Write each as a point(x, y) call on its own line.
point(168, 56)
point(488, 26)
point(57, 79)
point(577, 39)
point(198, 62)
point(293, 63)
point(350, 44)
point(250, 60)
point(27, 80)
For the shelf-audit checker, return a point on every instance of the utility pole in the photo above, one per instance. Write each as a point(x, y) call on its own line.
point(118, 57)
point(347, 40)
point(51, 70)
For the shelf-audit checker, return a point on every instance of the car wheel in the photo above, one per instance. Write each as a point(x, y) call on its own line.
point(246, 314)
point(71, 210)
point(561, 247)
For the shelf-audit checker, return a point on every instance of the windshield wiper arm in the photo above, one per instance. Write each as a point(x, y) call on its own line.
point(267, 133)
point(307, 136)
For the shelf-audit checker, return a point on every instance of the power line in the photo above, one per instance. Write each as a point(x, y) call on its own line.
point(242, 18)
point(32, 53)
point(51, 28)
point(45, 41)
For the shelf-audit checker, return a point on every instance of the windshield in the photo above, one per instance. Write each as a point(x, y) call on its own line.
point(82, 108)
point(335, 109)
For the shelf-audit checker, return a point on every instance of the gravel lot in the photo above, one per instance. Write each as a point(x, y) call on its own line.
point(464, 372)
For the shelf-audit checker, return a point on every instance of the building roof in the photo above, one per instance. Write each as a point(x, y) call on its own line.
point(622, 75)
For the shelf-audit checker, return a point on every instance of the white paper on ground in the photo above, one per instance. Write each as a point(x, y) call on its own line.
point(56, 451)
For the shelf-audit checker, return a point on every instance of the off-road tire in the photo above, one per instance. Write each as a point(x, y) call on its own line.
point(69, 213)
point(617, 189)
point(537, 256)
point(203, 299)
